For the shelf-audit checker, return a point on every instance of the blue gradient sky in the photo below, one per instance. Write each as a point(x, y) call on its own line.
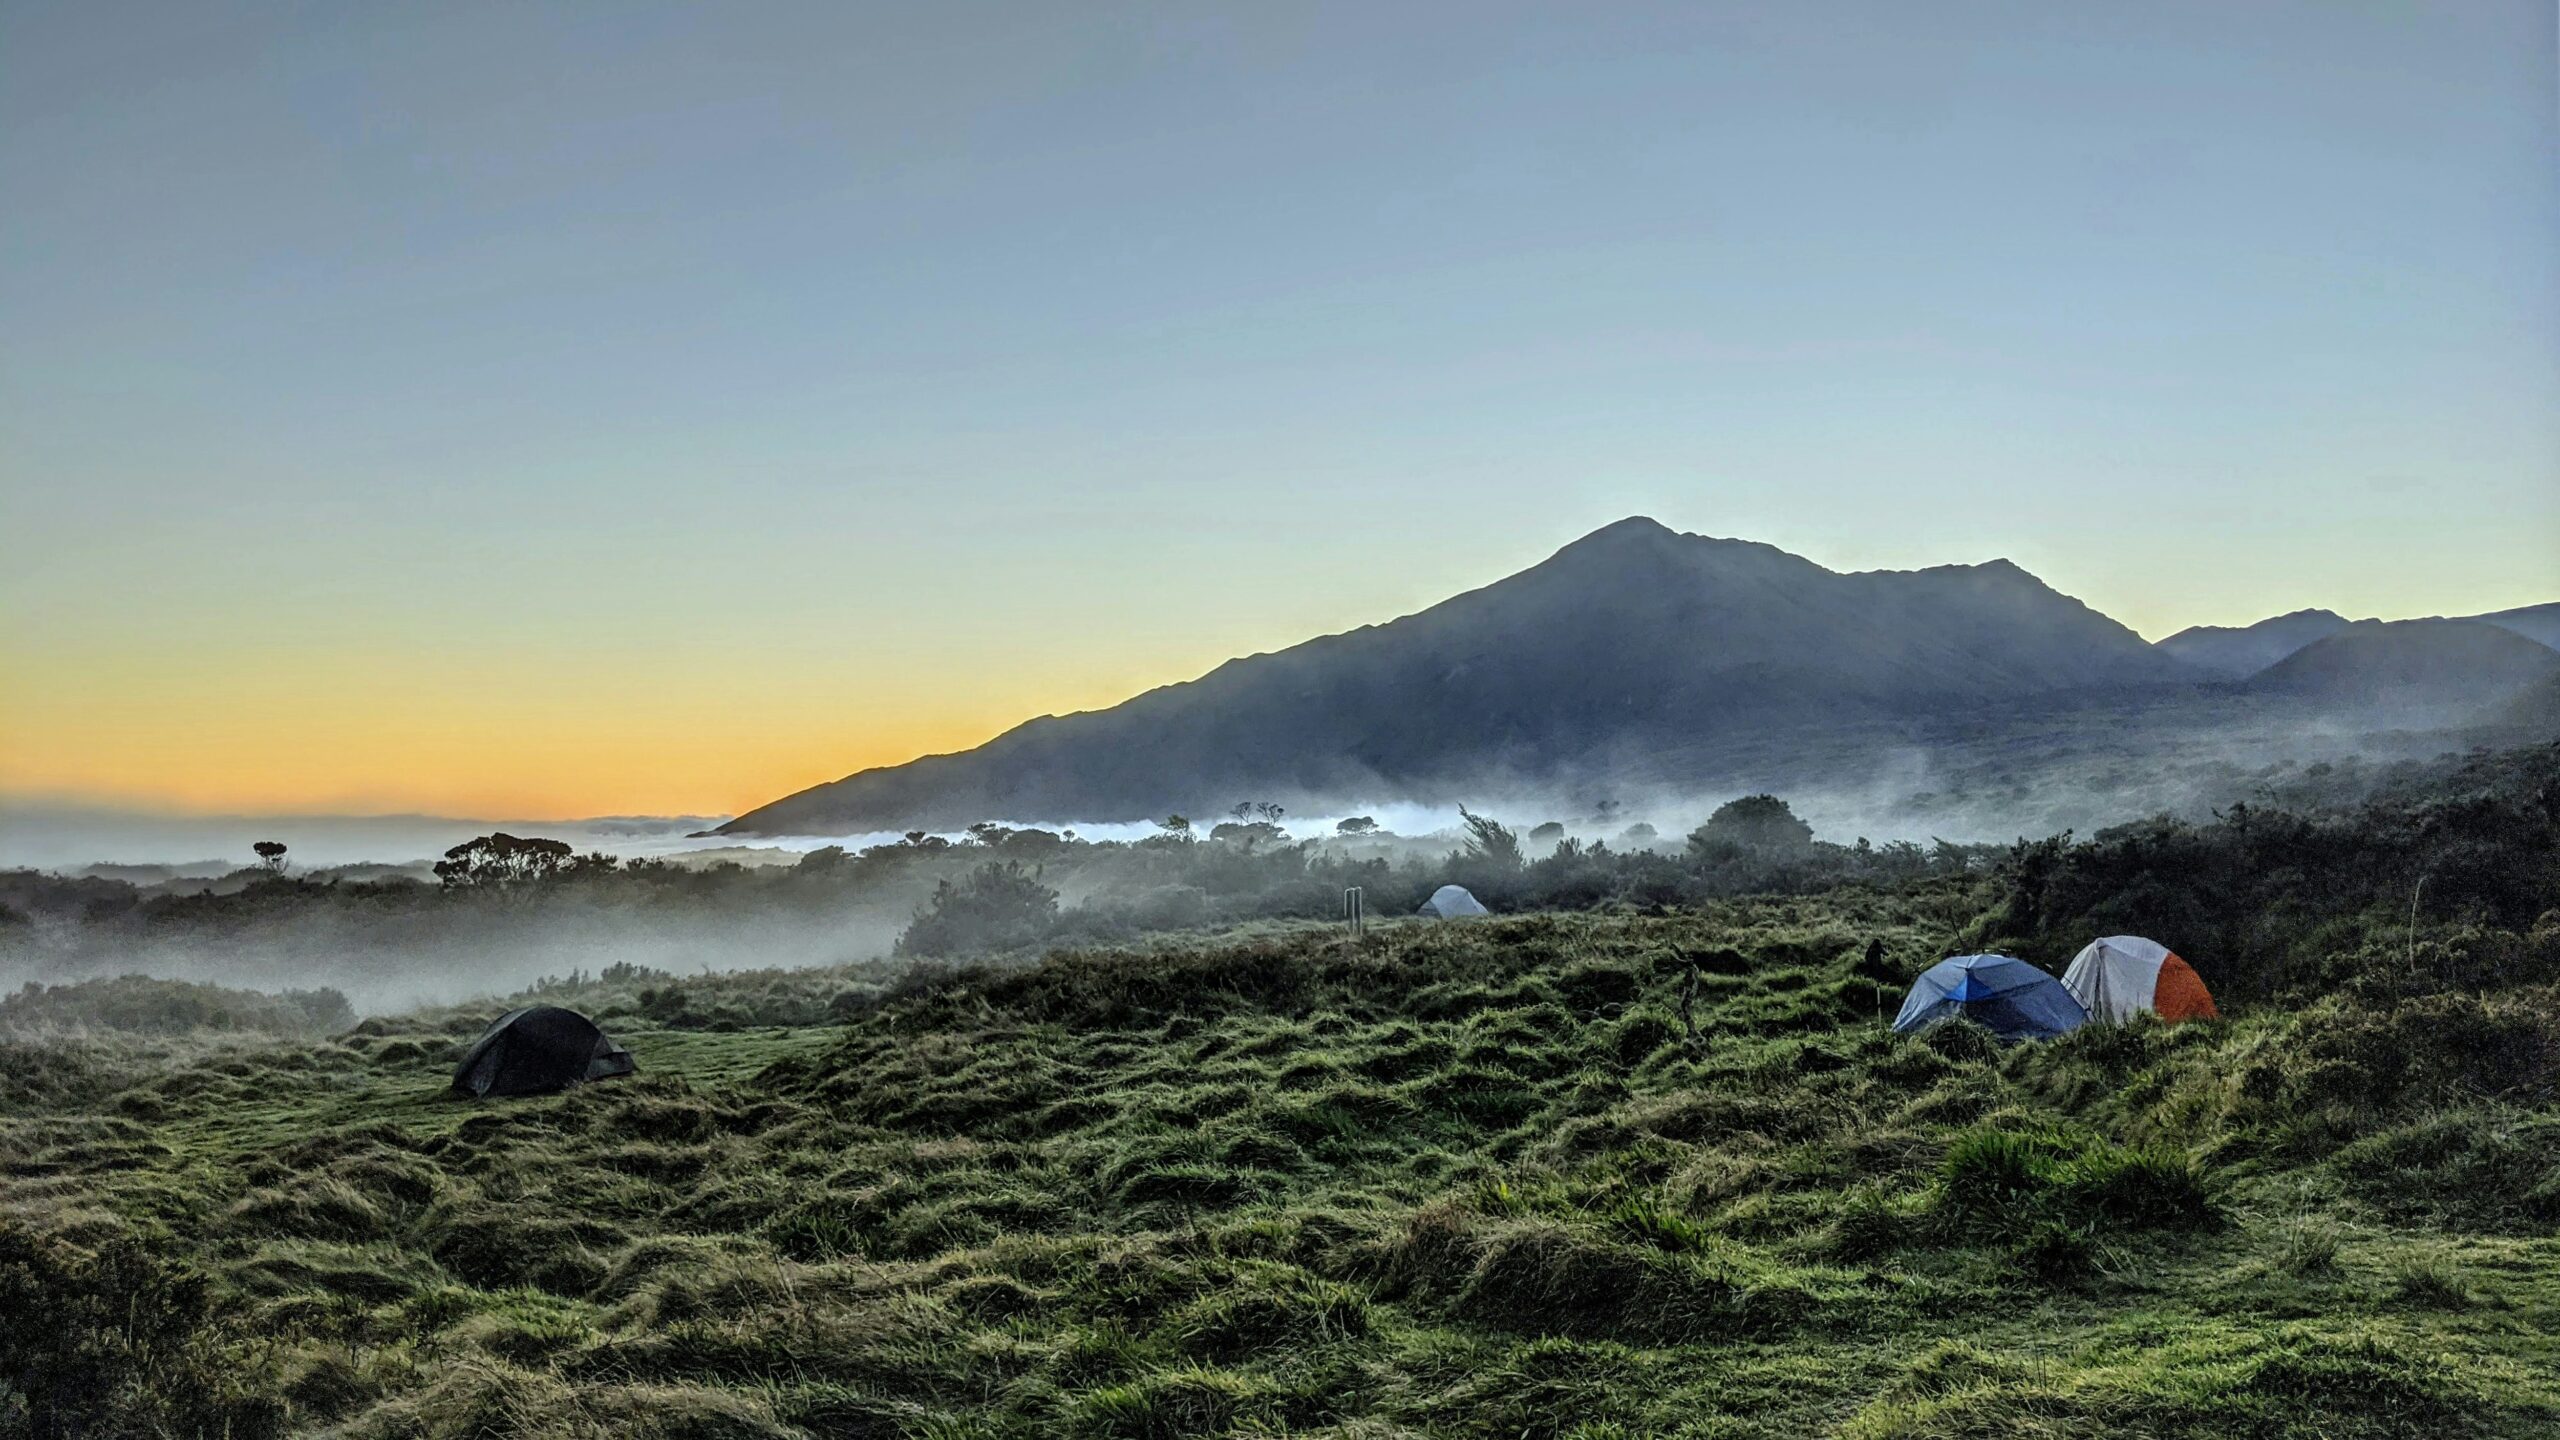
point(571, 409)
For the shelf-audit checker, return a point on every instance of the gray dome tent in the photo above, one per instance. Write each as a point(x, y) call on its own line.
point(1452, 902)
point(537, 1050)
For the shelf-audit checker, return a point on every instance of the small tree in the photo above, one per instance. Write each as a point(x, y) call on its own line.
point(1357, 825)
point(825, 857)
point(1269, 812)
point(1489, 841)
point(1249, 833)
point(271, 855)
point(1754, 822)
point(1178, 826)
point(504, 862)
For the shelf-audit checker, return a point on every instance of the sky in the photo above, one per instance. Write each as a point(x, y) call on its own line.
point(553, 410)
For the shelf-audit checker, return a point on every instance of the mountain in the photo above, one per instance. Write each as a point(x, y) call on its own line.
point(2539, 623)
point(2418, 667)
point(2235, 652)
point(1628, 641)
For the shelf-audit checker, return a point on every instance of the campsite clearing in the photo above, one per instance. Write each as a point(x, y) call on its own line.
point(1461, 1180)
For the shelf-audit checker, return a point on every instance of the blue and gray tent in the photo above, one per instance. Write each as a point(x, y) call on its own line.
point(2004, 995)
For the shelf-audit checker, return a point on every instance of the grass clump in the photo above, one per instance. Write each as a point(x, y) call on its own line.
point(2011, 1182)
point(2429, 1282)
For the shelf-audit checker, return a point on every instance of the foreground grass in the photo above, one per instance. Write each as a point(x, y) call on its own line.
point(1462, 1180)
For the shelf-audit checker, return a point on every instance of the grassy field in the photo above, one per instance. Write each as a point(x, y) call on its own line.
point(1459, 1180)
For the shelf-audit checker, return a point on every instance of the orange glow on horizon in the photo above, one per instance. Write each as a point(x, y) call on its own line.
point(511, 741)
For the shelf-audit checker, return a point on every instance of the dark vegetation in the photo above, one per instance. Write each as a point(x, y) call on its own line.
point(1468, 1179)
point(139, 1004)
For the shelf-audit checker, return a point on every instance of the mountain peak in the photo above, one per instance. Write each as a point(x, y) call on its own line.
point(1643, 538)
point(2235, 652)
point(1633, 640)
point(1633, 525)
point(1634, 532)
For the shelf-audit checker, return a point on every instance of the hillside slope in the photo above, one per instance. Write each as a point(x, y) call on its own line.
point(1630, 638)
point(2234, 652)
point(2412, 666)
point(2538, 623)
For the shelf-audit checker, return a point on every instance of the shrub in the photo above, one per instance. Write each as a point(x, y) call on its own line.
point(124, 1344)
point(996, 907)
point(1754, 822)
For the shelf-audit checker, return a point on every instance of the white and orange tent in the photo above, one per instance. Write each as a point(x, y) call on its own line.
point(2121, 976)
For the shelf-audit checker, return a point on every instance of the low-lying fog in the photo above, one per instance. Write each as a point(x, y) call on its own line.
point(434, 955)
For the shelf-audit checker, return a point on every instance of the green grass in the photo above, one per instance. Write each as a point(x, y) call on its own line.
point(1460, 1180)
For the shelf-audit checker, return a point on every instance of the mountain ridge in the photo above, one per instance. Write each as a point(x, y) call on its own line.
point(1640, 650)
point(2235, 652)
point(1631, 635)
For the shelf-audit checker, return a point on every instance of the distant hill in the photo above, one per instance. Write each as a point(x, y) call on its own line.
point(2446, 666)
point(1627, 640)
point(2235, 652)
point(2534, 622)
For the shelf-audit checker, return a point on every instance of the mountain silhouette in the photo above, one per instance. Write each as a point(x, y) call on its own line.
point(2230, 652)
point(1632, 640)
point(2540, 623)
point(2412, 666)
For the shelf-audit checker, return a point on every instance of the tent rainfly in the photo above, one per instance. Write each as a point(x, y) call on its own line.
point(537, 1050)
point(2005, 995)
point(1452, 902)
point(2121, 976)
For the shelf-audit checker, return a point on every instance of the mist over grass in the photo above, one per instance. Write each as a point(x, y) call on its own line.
point(393, 936)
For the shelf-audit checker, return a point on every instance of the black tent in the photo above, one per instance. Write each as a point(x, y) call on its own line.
point(536, 1050)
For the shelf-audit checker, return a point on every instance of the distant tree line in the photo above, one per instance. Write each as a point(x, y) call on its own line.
point(2478, 830)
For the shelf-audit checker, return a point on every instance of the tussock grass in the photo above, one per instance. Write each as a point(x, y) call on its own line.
point(1471, 1180)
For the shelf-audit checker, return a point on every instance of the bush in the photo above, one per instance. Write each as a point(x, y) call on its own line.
point(121, 1344)
point(1754, 822)
point(997, 907)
